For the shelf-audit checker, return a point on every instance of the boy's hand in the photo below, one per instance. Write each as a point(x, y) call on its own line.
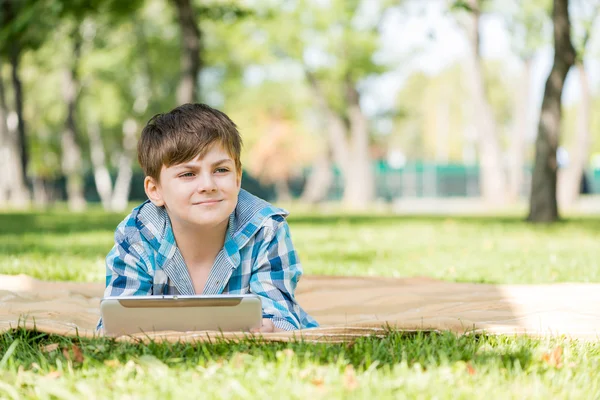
point(267, 326)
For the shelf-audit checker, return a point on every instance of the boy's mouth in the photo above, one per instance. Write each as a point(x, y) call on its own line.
point(207, 202)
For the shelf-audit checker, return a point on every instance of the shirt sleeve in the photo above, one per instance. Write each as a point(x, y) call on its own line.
point(275, 277)
point(127, 274)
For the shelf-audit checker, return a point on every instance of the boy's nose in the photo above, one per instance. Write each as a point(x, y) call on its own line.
point(206, 183)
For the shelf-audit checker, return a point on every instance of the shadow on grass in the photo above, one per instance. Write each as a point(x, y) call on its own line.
point(591, 223)
point(428, 349)
point(58, 222)
point(98, 220)
point(35, 249)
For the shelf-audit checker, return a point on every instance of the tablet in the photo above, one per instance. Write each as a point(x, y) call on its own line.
point(125, 315)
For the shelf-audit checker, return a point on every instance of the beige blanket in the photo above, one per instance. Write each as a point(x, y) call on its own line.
point(346, 308)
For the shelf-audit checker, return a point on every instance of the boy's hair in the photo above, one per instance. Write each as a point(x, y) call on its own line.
point(184, 133)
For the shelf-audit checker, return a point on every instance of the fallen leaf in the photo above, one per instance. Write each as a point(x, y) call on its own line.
point(470, 369)
point(49, 347)
point(317, 381)
point(77, 354)
point(554, 358)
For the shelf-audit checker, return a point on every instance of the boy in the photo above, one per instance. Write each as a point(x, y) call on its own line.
point(199, 232)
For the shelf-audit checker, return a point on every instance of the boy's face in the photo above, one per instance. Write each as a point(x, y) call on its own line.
point(202, 192)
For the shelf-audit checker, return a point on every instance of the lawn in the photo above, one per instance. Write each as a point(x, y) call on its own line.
point(60, 246)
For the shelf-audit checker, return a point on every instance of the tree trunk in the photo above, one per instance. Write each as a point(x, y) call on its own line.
point(13, 188)
point(492, 177)
point(14, 52)
point(101, 174)
point(543, 204)
point(187, 92)
point(122, 187)
point(320, 179)
point(519, 133)
point(5, 143)
point(569, 179)
point(352, 157)
point(282, 190)
point(71, 150)
point(18, 90)
point(122, 184)
point(113, 199)
point(336, 143)
point(336, 128)
point(41, 195)
point(359, 183)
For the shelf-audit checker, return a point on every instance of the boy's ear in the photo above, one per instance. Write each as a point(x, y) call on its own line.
point(152, 189)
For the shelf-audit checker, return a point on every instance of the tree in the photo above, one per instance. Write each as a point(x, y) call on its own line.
point(70, 142)
point(432, 123)
point(569, 178)
point(191, 45)
point(74, 14)
point(29, 24)
point(335, 51)
point(122, 91)
point(492, 175)
point(189, 18)
point(12, 184)
point(14, 40)
point(543, 202)
point(528, 24)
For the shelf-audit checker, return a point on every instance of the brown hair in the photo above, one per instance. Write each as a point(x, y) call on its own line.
point(184, 133)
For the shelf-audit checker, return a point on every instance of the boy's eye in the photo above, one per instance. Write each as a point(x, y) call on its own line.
point(222, 170)
point(186, 175)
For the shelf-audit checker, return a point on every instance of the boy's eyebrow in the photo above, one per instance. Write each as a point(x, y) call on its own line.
point(192, 165)
point(222, 161)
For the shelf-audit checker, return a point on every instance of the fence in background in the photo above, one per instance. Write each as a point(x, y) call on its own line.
point(418, 180)
point(435, 180)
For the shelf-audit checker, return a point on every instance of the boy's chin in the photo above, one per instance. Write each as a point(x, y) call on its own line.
point(209, 220)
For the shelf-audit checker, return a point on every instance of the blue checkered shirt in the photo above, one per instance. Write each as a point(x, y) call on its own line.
point(258, 257)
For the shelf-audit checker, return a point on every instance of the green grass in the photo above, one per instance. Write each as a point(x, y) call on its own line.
point(398, 366)
point(61, 246)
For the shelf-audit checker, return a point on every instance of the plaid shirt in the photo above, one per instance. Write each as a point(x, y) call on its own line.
point(258, 257)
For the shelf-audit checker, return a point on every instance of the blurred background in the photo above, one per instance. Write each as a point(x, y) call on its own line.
point(359, 103)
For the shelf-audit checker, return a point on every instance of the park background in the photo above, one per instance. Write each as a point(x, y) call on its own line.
point(409, 138)
point(351, 102)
